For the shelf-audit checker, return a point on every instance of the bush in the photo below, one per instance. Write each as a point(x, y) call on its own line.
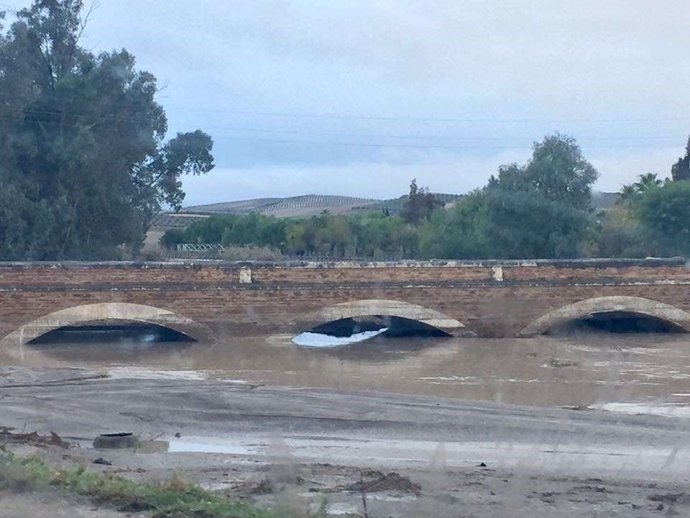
point(252, 253)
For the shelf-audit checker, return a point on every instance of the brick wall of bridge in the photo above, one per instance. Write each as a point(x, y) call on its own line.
point(491, 298)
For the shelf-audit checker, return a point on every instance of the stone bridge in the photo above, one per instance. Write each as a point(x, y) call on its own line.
point(207, 300)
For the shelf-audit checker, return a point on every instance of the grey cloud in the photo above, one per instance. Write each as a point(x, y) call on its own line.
point(256, 75)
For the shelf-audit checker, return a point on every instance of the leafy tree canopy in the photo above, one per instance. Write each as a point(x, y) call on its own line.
point(541, 209)
point(681, 169)
point(631, 194)
point(557, 171)
point(538, 210)
point(83, 160)
point(665, 211)
point(458, 232)
point(419, 205)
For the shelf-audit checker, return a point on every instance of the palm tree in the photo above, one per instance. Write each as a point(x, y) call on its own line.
point(633, 192)
point(648, 181)
point(628, 194)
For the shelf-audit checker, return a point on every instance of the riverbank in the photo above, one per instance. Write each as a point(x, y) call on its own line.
point(411, 454)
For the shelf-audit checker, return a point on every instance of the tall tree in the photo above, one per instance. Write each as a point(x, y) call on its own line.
point(665, 212)
point(628, 194)
point(541, 209)
point(631, 194)
point(557, 171)
point(82, 149)
point(681, 169)
point(647, 182)
point(419, 205)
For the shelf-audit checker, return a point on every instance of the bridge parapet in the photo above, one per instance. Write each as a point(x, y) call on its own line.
point(204, 273)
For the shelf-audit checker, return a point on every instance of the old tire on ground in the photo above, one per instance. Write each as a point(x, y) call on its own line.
point(116, 440)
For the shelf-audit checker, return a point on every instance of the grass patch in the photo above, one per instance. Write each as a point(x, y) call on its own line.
point(172, 499)
point(22, 474)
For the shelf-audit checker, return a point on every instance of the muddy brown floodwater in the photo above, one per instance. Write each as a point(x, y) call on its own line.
point(647, 373)
point(394, 409)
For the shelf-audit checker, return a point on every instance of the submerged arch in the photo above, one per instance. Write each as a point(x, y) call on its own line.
point(109, 312)
point(589, 308)
point(386, 308)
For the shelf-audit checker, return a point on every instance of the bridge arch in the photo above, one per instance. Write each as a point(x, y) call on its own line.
point(386, 308)
point(609, 305)
point(108, 312)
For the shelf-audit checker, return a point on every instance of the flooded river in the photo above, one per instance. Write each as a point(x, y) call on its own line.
point(647, 373)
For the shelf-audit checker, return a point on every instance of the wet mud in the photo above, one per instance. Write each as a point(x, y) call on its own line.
point(589, 424)
point(404, 455)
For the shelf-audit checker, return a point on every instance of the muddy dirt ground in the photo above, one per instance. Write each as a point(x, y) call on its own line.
point(407, 456)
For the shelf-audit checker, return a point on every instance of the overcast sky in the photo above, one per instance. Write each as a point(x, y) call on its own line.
point(358, 97)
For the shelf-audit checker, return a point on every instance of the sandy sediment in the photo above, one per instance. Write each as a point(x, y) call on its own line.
point(406, 455)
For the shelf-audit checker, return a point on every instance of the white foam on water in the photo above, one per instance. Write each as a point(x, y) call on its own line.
point(308, 339)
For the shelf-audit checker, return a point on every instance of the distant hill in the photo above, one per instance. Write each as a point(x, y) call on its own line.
point(295, 206)
point(232, 207)
point(313, 204)
point(306, 205)
point(395, 205)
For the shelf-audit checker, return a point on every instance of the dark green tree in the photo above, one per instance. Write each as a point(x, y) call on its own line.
point(173, 237)
point(628, 195)
point(419, 205)
point(665, 213)
point(681, 169)
point(620, 234)
point(557, 171)
point(633, 193)
point(647, 182)
point(82, 150)
point(542, 209)
point(458, 232)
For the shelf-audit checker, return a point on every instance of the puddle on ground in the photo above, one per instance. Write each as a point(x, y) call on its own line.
point(130, 372)
point(216, 445)
point(663, 409)
point(397, 454)
point(343, 509)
